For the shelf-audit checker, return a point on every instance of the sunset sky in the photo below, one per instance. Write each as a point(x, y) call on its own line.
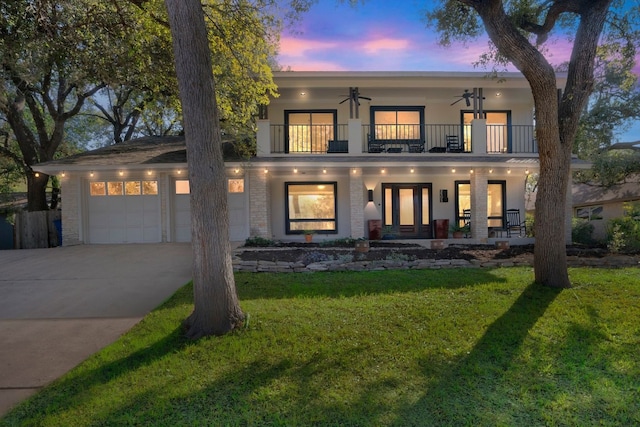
point(384, 36)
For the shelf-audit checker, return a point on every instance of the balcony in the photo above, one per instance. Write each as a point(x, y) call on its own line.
point(427, 139)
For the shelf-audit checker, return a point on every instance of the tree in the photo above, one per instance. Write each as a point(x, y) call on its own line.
point(518, 30)
point(216, 310)
point(54, 55)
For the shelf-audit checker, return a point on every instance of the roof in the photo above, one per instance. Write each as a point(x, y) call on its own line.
point(140, 153)
point(626, 146)
point(585, 194)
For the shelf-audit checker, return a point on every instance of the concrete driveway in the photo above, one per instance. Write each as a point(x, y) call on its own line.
point(58, 306)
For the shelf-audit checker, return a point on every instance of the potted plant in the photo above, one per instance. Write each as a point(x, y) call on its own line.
point(362, 245)
point(458, 231)
point(308, 235)
point(388, 233)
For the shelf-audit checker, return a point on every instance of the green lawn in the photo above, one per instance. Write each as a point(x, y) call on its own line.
point(397, 348)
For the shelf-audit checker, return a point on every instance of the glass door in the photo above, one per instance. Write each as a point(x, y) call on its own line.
point(407, 210)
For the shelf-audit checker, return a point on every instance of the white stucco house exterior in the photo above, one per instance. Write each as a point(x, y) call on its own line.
point(341, 153)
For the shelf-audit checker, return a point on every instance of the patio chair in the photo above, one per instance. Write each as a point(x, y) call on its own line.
point(514, 224)
point(453, 144)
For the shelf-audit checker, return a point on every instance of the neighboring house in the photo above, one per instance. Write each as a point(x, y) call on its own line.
point(598, 204)
point(339, 153)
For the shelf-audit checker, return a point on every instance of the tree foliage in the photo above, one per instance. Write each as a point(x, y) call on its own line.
point(519, 32)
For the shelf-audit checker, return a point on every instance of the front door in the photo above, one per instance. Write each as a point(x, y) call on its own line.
point(407, 210)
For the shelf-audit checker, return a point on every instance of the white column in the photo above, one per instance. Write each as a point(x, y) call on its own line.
point(479, 136)
point(356, 195)
point(263, 138)
point(355, 137)
point(479, 188)
point(71, 193)
point(260, 204)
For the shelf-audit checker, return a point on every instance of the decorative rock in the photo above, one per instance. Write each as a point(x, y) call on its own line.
point(502, 244)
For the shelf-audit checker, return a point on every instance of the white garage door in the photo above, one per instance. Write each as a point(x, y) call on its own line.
point(124, 212)
point(237, 204)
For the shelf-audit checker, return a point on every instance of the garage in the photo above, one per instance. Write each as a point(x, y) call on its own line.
point(237, 204)
point(126, 211)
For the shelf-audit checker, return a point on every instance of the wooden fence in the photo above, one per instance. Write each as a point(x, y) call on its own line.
point(37, 229)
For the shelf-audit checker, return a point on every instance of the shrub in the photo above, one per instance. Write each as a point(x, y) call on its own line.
point(529, 223)
point(624, 233)
point(581, 231)
point(258, 241)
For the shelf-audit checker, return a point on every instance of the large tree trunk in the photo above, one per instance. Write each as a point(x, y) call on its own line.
point(550, 254)
point(556, 120)
point(217, 310)
point(37, 192)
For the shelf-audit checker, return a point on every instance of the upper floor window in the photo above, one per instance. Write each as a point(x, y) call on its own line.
point(309, 131)
point(397, 123)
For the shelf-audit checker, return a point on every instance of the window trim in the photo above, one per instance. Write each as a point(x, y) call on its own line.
point(289, 221)
point(509, 127)
point(334, 112)
point(501, 182)
point(396, 108)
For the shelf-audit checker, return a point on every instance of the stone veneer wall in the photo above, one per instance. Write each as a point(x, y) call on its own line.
point(356, 192)
point(71, 198)
point(259, 204)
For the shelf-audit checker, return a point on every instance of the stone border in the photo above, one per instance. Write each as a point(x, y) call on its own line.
point(611, 261)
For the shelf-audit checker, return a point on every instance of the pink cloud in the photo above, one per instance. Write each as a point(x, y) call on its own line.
point(375, 46)
point(298, 47)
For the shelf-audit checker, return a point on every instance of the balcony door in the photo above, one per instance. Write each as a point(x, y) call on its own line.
point(498, 130)
point(407, 210)
point(309, 131)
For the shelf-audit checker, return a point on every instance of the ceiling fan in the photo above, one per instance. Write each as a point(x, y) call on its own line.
point(354, 95)
point(354, 101)
point(466, 96)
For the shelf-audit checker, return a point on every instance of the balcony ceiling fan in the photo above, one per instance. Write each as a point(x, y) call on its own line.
point(354, 101)
point(466, 96)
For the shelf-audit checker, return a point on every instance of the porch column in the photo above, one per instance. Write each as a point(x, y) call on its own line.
point(355, 137)
point(479, 136)
point(259, 204)
point(71, 190)
point(568, 214)
point(356, 195)
point(263, 138)
point(479, 188)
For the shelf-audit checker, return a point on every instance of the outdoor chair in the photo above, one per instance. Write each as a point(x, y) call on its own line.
point(514, 225)
point(453, 144)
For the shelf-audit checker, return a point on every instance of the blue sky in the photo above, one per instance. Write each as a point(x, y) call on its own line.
point(383, 36)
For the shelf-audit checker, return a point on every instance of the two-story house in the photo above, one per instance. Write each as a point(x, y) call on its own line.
point(345, 154)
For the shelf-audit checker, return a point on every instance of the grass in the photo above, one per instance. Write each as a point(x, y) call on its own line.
point(397, 348)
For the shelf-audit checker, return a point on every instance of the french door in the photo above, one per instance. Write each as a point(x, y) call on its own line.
point(407, 210)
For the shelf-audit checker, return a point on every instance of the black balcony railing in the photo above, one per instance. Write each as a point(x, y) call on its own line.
point(428, 138)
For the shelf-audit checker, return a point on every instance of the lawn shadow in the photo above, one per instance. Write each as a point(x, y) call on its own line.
point(462, 394)
point(349, 284)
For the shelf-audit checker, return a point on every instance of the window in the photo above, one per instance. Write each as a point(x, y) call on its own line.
point(496, 199)
point(397, 123)
point(310, 131)
point(498, 130)
point(97, 189)
point(311, 206)
point(182, 186)
point(590, 213)
point(236, 185)
point(126, 188)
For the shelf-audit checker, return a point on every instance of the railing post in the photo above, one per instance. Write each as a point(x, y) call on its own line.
point(479, 136)
point(355, 137)
point(263, 138)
